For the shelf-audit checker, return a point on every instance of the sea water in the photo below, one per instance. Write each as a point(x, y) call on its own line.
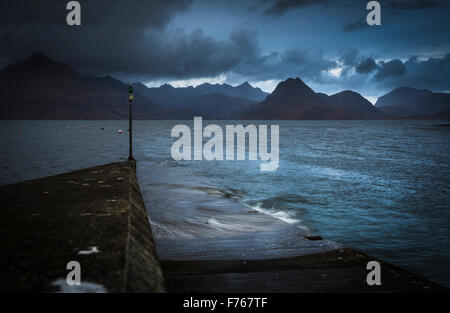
point(382, 187)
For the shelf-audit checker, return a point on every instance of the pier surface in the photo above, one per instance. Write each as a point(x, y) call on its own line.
point(94, 216)
point(97, 217)
point(209, 242)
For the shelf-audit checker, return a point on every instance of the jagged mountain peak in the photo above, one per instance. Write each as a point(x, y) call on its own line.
point(293, 88)
point(38, 64)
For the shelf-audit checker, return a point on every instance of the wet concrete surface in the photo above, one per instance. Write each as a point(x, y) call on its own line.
point(97, 217)
point(209, 242)
point(94, 216)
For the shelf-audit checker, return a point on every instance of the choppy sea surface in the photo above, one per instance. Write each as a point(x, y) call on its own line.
point(382, 187)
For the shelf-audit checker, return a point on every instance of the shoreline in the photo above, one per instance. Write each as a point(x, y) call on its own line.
point(97, 216)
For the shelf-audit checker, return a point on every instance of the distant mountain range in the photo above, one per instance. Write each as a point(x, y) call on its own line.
point(210, 101)
point(407, 102)
point(353, 102)
point(40, 88)
point(172, 97)
point(293, 99)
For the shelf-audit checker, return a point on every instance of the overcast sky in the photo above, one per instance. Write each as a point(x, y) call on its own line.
point(325, 42)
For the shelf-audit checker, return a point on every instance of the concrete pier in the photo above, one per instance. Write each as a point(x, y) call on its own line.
point(283, 259)
point(94, 216)
point(97, 217)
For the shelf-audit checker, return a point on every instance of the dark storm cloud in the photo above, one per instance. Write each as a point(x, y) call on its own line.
point(389, 69)
point(119, 39)
point(360, 23)
point(279, 7)
point(129, 14)
point(113, 35)
point(366, 66)
point(415, 4)
point(431, 73)
point(164, 40)
point(292, 62)
point(349, 57)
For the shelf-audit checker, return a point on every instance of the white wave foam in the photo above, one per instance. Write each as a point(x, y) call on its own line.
point(281, 215)
point(218, 225)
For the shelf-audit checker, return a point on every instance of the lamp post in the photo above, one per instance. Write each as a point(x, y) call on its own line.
point(130, 98)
